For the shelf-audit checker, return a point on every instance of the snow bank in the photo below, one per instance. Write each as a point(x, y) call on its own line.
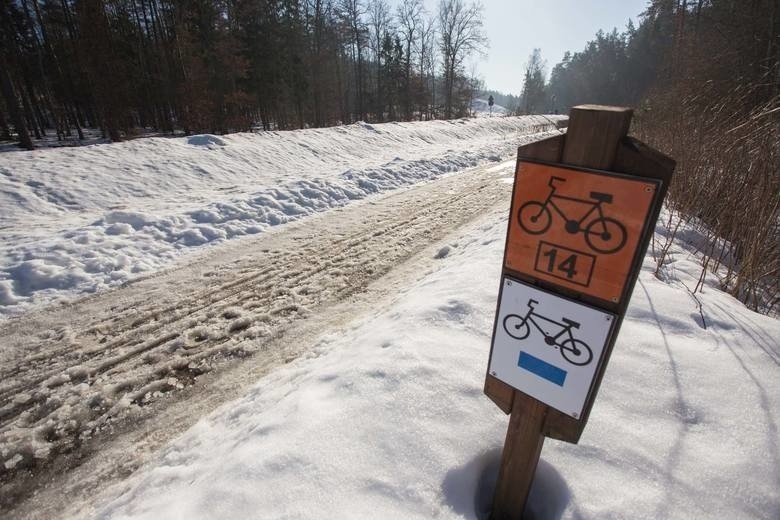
point(77, 220)
point(387, 419)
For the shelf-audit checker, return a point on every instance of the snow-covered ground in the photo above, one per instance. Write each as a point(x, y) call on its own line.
point(78, 220)
point(359, 338)
point(69, 374)
point(385, 418)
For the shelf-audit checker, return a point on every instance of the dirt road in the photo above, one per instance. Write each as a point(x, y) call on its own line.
point(95, 386)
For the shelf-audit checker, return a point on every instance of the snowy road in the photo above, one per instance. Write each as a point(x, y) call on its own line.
point(97, 385)
point(80, 220)
point(332, 366)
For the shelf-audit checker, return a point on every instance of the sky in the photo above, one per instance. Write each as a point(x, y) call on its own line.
point(516, 27)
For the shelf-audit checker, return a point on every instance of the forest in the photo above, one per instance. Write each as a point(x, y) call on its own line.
point(704, 79)
point(703, 76)
point(217, 66)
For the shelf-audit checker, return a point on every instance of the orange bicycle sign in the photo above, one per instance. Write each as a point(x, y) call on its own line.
point(578, 229)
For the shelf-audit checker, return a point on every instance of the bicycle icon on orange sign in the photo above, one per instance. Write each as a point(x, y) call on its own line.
point(573, 350)
point(603, 234)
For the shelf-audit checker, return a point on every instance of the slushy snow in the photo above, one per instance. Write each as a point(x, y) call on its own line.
point(387, 419)
point(383, 416)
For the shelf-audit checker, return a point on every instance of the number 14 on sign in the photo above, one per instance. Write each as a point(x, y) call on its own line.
point(567, 264)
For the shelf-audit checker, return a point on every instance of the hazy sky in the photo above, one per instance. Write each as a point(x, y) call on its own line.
point(516, 27)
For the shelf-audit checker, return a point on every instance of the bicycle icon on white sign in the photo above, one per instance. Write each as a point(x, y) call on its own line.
point(573, 350)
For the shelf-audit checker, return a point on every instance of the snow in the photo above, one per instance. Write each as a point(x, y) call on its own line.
point(381, 414)
point(385, 417)
point(78, 220)
point(193, 319)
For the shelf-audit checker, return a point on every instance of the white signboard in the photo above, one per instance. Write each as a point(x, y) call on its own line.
point(547, 346)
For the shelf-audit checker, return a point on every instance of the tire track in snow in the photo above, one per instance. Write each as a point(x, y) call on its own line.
point(101, 366)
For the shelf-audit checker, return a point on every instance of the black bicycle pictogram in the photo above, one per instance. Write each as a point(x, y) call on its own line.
point(603, 234)
point(575, 351)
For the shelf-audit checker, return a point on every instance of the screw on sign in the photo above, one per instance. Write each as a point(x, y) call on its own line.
point(583, 207)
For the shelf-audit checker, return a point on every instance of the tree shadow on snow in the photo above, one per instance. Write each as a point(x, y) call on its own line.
point(469, 489)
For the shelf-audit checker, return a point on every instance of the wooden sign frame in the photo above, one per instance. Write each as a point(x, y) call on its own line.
point(606, 149)
point(597, 139)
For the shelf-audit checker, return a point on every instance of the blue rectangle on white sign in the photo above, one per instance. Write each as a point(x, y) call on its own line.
point(542, 368)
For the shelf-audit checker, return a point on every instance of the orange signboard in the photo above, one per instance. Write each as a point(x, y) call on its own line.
point(577, 229)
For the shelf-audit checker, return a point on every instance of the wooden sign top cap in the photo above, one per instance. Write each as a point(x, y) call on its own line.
point(603, 108)
point(595, 131)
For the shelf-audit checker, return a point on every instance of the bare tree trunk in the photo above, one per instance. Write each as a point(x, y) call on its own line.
point(12, 103)
point(5, 132)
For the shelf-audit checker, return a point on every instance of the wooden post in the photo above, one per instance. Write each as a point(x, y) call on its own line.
point(522, 447)
point(594, 136)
